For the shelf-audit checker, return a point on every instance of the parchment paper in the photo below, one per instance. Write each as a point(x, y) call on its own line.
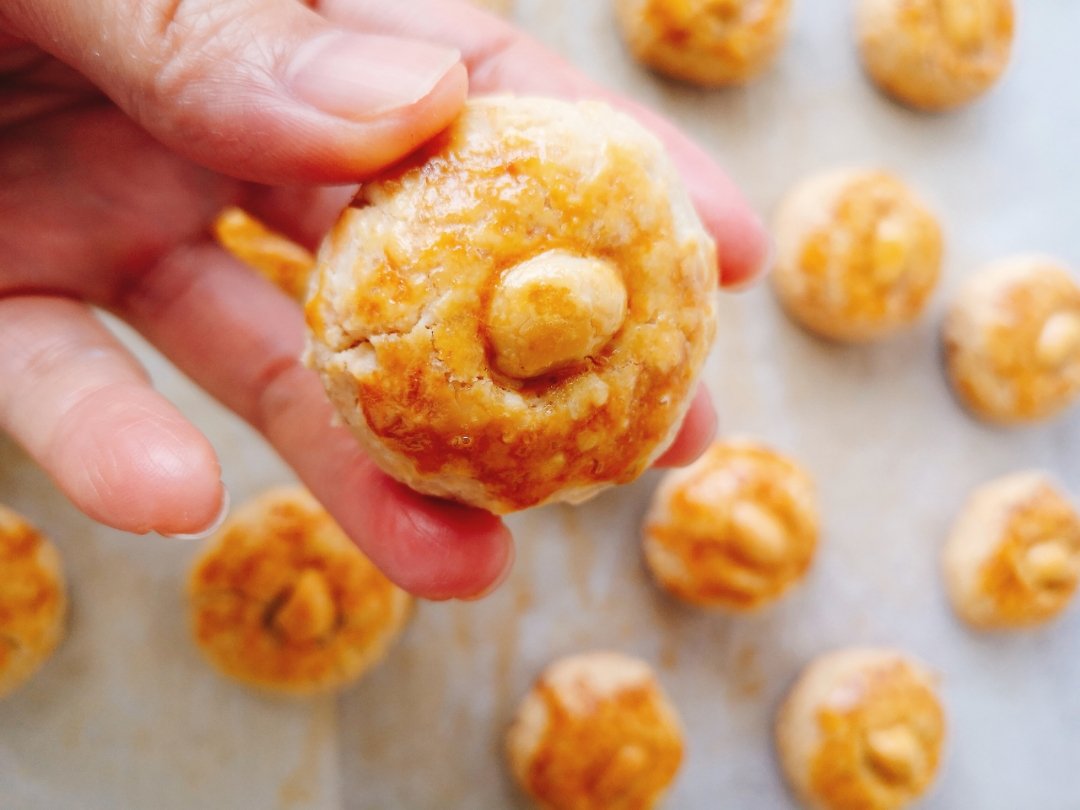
point(127, 715)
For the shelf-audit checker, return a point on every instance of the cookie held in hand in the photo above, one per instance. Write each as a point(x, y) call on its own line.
point(519, 314)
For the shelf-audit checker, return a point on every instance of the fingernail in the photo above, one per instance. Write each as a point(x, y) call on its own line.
point(499, 580)
point(215, 524)
point(359, 77)
point(764, 267)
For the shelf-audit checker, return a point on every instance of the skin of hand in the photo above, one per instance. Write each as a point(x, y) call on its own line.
point(126, 126)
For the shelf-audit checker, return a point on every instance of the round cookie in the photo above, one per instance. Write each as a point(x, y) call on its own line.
point(935, 54)
point(713, 43)
point(596, 732)
point(33, 600)
point(519, 315)
point(862, 729)
point(1013, 557)
point(1012, 341)
point(735, 529)
point(281, 599)
point(858, 255)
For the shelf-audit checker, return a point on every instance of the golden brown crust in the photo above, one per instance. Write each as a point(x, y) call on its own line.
point(596, 733)
point(707, 42)
point(1013, 558)
point(861, 730)
point(400, 316)
point(282, 599)
point(935, 54)
point(735, 529)
point(281, 261)
point(1012, 341)
point(858, 255)
point(33, 600)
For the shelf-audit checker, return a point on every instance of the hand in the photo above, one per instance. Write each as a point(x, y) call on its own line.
point(125, 126)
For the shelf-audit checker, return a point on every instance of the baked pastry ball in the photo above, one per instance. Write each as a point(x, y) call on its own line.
point(33, 600)
point(862, 729)
point(1012, 341)
point(281, 599)
point(1013, 558)
point(596, 733)
point(280, 260)
point(708, 42)
point(935, 54)
point(858, 255)
point(519, 315)
point(735, 529)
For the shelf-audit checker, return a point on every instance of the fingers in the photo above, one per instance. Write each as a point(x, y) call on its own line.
point(240, 339)
point(264, 90)
point(82, 407)
point(697, 431)
point(501, 59)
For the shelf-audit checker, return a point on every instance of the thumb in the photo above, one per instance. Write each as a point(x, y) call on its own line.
point(263, 90)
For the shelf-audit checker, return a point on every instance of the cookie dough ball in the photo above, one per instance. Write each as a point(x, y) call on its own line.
point(281, 261)
point(518, 316)
point(935, 54)
point(596, 733)
point(735, 529)
point(1013, 558)
point(282, 599)
point(858, 255)
point(708, 42)
point(33, 600)
point(862, 729)
point(1012, 341)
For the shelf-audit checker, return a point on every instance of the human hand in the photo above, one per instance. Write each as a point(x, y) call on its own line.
point(125, 127)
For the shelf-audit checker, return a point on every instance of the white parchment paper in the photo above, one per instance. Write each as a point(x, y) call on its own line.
point(127, 715)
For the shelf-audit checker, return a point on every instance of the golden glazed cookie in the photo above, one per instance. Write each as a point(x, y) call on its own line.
point(935, 54)
point(596, 732)
point(708, 42)
point(862, 729)
point(283, 262)
point(1013, 558)
point(519, 315)
point(282, 599)
point(735, 529)
point(858, 255)
point(1012, 341)
point(33, 600)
